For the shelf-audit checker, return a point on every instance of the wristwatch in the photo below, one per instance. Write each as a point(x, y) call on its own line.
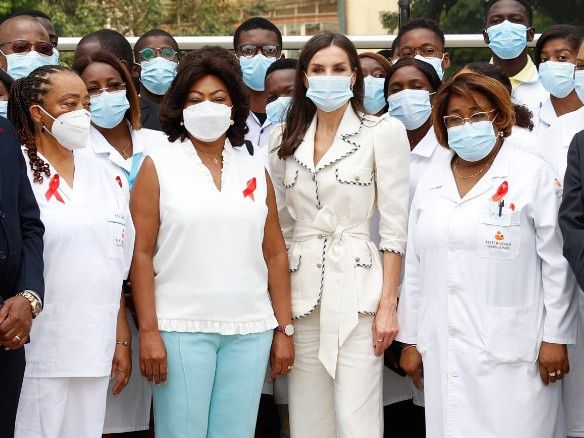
point(36, 305)
point(288, 330)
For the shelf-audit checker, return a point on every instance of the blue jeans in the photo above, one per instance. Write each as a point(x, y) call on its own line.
point(214, 385)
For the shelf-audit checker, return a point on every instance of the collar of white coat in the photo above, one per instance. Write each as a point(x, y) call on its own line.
point(443, 179)
point(547, 113)
point(254, 119)
point(343, 145)
point(100, 146)
point(427, 146)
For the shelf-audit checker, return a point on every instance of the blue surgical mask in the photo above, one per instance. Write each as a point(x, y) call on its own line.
point(55, 57)
point(108, 109)
point(254, 70)
point(472, 141)
point(507, 40)
point(374, 99)
point(411, 107)
point(329, 93)
point(557, 77)
point(4, 108)
point(157, 74)
point(21, 65)
point(579, 79)
point(434, 62)
point(278, 109)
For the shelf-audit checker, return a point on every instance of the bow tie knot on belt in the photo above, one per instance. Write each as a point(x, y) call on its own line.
point(338, 302)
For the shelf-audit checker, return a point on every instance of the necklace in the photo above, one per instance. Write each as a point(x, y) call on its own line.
point(458, 175)
point(124, 152)
point(213, 157)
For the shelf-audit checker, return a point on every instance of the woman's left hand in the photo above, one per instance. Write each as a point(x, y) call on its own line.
point(121, 368)
point(553, 362)
point(385, 328)
point(282, 355)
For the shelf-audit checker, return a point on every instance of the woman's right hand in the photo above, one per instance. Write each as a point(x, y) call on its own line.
point(411, 362)
point(153, 357)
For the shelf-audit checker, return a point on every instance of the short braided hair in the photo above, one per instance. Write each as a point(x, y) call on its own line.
point(24, 93)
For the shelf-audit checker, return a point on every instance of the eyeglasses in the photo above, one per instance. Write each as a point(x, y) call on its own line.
point(149, 53)
point(426, 50)
point(23, 46)
point(269, 51)
point(94, 91)
point(454, 121)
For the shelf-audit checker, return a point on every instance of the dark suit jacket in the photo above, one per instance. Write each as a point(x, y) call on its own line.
point(571, 217)
point(21, 230)
point(149, 114)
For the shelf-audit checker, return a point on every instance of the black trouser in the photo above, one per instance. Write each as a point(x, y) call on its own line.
point(404, 420)
point(11, 374)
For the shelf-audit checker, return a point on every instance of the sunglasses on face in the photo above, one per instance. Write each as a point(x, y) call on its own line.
point(149, 53)
point(23, 46)
point(269, 51)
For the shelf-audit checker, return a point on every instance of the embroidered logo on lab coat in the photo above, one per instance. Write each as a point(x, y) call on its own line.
point(499, 236)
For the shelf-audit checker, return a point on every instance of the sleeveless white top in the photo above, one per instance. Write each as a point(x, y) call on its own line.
point(209, 271)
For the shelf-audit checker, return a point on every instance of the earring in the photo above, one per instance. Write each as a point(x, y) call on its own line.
point(501, 134)
point(231, 122)
point(182, 123)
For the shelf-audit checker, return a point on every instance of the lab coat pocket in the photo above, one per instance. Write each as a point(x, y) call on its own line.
point(499, 237)
point(511, 333)
point(116, 224)
point(357, 176)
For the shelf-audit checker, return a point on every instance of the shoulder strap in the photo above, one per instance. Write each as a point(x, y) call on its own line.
point(249, 146)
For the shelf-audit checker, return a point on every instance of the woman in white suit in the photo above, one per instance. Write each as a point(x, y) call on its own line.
point(333, 167)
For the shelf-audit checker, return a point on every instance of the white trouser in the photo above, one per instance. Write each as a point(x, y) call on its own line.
point(61, 407)
point(351, 405)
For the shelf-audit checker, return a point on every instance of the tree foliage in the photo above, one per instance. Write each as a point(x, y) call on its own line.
point(134, 17)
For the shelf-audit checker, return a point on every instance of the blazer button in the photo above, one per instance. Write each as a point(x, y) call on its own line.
point(313, 177)
point(318, 265)
point(357, 259)
point(357, 178)
point(321, 236)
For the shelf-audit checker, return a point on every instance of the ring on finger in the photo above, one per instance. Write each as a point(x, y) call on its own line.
point(552, 374)
point(18, 338)
point(559, 372)
point(380, 340)
point(290, 367)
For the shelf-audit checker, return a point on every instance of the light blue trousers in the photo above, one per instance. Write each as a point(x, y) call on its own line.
point(214, 385)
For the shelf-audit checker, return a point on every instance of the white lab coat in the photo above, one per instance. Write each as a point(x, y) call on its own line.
point(481, 292)
point(144, 141)
point(557, 140)
point(89, 240)
point(259, 135)
point(531, 94)
point(547, 117)
point(129, 411)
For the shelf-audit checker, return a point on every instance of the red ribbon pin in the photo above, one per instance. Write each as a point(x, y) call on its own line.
point(251, 186)
point(54, 189)
point(501, 192)
point(119, 180)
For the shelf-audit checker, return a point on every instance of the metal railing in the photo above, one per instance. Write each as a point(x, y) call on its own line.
point(296, 42)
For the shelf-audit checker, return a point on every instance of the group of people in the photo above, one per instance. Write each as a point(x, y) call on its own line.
point(345, 231)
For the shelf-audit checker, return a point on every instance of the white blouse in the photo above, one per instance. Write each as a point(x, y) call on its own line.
point(210, 272)
point(89, 240)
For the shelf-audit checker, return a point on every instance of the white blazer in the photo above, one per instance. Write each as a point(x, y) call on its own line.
point(325, 211)
point(482, 290)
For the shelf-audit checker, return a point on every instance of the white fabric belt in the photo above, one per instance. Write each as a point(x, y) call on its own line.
point(339, 311)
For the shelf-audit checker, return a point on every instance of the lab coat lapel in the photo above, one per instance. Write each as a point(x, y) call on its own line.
point(101, 146)
point(345, 142)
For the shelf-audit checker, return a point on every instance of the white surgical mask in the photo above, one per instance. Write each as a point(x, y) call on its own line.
point(434, 62)
point(207, 121)
point(71, 129)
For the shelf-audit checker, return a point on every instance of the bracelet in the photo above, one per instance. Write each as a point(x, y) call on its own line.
point(125, 344)
point(409, 346)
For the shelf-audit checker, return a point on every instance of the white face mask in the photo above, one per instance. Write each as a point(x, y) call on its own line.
point(71, 129)
point(207, 121)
